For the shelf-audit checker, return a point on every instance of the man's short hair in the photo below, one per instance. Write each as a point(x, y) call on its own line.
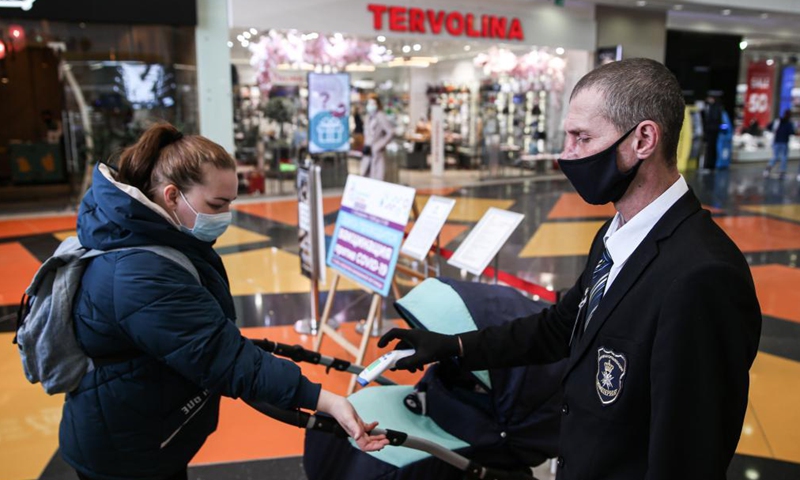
point(639, 89)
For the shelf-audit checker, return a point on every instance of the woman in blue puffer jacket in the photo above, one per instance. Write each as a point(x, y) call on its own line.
point(168, 346)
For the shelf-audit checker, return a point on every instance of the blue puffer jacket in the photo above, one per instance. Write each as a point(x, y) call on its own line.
point(147, 416)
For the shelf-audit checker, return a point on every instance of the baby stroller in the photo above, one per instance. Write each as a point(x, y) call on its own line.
point(505, 420)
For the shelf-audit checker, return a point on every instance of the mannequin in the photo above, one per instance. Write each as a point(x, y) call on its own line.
point(377, 135)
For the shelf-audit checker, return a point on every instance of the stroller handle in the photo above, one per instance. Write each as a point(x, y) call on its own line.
point(308, 421)
point(299, 354)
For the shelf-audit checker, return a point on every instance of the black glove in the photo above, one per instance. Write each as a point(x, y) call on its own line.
point(430, 347)
point(367, 150)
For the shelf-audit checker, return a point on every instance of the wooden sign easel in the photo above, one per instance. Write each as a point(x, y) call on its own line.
point(374, 315)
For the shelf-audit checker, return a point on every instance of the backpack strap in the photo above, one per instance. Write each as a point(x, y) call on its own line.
point(169, 253)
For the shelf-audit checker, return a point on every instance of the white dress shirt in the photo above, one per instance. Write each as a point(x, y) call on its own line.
point(622, 241)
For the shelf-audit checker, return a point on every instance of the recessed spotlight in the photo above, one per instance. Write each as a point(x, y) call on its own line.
point(467, 48)
point(560, 51)
point(726, 12)
point(641, 3)
point(381, 38)
point(230, 44)
point(770, 62)
point(406, 49)
point(245, 44)
point(240, 38)
point(388, 52)
point(246, 35)
point(742, 44)
point(417, 47)
point(765, 16)
point(253, 31)
point(679, 7)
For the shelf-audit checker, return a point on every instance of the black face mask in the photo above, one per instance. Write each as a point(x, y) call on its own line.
point(597, 178)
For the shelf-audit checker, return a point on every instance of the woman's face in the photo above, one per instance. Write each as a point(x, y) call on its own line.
point(215, 195)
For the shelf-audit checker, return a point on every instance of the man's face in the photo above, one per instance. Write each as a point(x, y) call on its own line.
point(588, 132)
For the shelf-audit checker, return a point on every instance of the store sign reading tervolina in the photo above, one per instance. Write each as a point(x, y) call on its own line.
point(369, 231)
point(420, 20)
point(328, 112)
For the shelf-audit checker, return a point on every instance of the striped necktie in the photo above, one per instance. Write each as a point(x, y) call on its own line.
point(599, 280)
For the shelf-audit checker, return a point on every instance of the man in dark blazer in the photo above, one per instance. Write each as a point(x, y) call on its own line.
point(662, 326)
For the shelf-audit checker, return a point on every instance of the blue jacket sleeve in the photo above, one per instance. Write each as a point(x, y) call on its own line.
point(172, 318)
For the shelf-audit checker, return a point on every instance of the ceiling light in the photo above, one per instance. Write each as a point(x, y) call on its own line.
point(381, 38)
point(679, 7)
point(742, 44)
point(253, 31)
point(388, 52)
point(726, 12)
point(406, 49)
point(417, 47)
point(560, 51)
point(765, 16)
point(246, 35)
point(245, 44)
point(467, 48)
point(240, 38)
point(770, 62)
point(641, 3)
point(230, 44)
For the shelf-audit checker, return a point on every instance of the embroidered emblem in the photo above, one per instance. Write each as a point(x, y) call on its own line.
point(611, 369)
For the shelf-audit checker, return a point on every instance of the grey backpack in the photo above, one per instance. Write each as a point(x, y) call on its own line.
point(45, 331)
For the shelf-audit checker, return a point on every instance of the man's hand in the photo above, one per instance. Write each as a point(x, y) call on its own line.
point(430, 347)
point(344, 413)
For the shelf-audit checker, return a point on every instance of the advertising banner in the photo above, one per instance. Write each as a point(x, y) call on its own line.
point(787, 85)
point(369, 231)
point(758, 100)
point(328, 112)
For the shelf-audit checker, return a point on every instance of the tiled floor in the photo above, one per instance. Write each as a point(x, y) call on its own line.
point(260, 253)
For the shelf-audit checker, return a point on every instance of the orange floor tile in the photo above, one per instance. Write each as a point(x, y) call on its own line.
point(285, 211)
point(244, 434)
point(35, 226)
point(761, 234)
point(776, 286)
point(15, 258)
point(571, 205)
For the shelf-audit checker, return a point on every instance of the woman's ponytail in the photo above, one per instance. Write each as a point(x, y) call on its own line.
point(136, 163)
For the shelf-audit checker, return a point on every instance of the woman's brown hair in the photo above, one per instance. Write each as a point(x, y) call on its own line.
point(163, 155)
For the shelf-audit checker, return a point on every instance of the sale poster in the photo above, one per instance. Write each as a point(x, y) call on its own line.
point(758, 100)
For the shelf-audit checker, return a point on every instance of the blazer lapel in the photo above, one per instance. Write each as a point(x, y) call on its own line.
point(636, 265)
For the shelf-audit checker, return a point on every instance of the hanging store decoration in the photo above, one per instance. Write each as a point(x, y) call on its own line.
point(535, 70)
point(294, 50)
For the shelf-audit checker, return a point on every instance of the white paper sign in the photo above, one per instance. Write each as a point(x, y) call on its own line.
point(485, 240)
point(427, 227)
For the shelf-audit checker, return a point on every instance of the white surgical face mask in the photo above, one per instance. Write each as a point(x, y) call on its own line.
point(207, 227)
point(372, 107)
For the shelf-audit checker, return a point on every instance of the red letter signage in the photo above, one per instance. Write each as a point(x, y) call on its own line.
point(457, 24)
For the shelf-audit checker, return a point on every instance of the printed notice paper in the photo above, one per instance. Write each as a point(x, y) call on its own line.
point(427, 227)
point(485, 240)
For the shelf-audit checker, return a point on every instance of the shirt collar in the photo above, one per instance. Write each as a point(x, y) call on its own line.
point(622, 241)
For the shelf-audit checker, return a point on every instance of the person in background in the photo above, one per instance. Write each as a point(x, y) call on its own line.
point(712, 120)
point(782, 128)
point(378, 133)
point(166, 347)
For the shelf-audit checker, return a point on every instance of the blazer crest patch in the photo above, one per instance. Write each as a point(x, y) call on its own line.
point(611, 367)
